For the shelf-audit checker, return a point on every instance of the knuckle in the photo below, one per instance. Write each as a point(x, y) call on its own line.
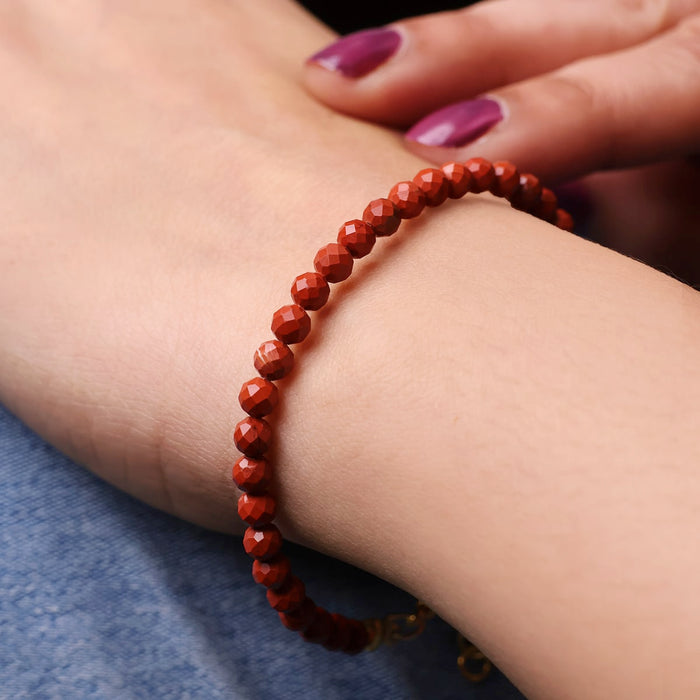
point(640, 6)
point(644, 7)
point(445, 32)
point(575, 93)
point(653, 14)
point(452, 26)
point(571, 88)
point(687, 39)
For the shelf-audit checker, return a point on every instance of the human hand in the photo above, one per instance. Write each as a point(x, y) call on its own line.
point(563, 89)
point(163, 175)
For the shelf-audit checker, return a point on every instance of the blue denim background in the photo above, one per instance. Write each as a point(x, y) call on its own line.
point(104, 597)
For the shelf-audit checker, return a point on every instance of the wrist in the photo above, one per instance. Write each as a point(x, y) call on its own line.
point(460, 420)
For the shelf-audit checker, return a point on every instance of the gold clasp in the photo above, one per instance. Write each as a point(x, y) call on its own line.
point(398, 627)
point(401, 627)
point(471, 661)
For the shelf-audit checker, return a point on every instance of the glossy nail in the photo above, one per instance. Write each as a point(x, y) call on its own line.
point(457, 124)
point(360, 53)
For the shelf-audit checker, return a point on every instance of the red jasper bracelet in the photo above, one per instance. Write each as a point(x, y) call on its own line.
point(274, 360)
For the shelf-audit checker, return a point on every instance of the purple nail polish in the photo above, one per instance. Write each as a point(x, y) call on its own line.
point(457, 124)
point(360, 53)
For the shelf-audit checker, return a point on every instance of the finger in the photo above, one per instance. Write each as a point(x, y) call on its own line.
point(659, 228)
point(640, 105)
point(399, 73)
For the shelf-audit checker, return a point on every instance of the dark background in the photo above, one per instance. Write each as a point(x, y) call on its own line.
point(349, 17)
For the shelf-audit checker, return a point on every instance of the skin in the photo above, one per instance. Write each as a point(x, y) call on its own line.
point(493, 414)
point(588, 87)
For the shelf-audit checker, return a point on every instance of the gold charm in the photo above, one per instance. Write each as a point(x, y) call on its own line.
point(472, 663)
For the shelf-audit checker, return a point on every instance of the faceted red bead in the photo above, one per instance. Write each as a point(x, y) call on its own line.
point(382, 216)
point(408, 198)
point(273, 359)
point(507, 180)
point(340, 633)
point(298, 620)
point(546, 208)
point(334, 262)
point(252, 475)
point(359, 638)
point(310, 291)
point(291, 324)
point(482, 174)
point(320, 628)
point(272, 573)
point(358, 237)
point(459, 179)
point(564, 220)
point(253, 436)
point(258, 397)
point(289, 597)
point(528, 194)
point(433, 184)
point(262, 542)
point(257, 510)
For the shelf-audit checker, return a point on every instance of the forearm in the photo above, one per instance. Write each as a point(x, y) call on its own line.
point(490, 409)
point(491, 413)
point(500, 418)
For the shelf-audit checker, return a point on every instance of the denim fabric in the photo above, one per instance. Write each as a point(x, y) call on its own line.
point(104, 597)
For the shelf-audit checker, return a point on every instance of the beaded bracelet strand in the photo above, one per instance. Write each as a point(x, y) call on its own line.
point(274, 360)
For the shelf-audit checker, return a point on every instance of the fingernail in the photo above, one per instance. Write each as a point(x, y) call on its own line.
point(457, 124)
point(360, 53)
